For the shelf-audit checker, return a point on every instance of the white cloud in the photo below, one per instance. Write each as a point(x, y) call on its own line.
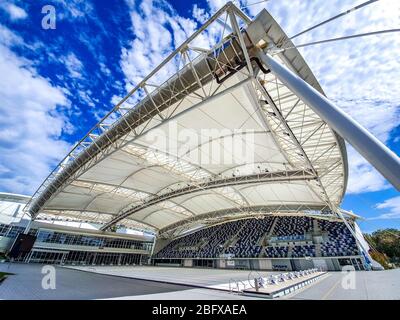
point(393, 205)
point(215, 5)
point(9, 38)
point(362, 176)
point(30, 125)
point(200, 14)
point(158, 29)
point(361, 75)
point(15, 12)
point(104, 69)
point(75, 9)
point(85, 97)
point(153, 40)
point(380, 118)
point(73, 64)
point(115, 99)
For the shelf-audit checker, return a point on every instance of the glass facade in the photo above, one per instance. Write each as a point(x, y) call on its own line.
point(10, 231)
point(98, 255)
point(49, 236)
point(85, 258)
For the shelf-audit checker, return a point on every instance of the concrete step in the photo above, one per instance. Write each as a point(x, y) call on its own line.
point(316, 229)
point(318, 249)
point(263, 242)
point(232, 241)
point(271, 231)
point(290, 251)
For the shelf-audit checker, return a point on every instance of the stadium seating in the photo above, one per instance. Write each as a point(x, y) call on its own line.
point(303, 251)
point(244, 239)
point(247, 244)
point(295, 227)
point(276, 252)
point(215, 246)
point(340, 243)
point(192, 240)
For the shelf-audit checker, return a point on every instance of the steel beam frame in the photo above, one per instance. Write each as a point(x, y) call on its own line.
point(215, 217)
point(379, 155)
point(270, 177)
point(89, 144)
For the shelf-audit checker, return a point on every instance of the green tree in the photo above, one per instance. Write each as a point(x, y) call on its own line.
point(386, 242)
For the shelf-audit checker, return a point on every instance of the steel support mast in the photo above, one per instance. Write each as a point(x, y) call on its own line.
point(373, 150)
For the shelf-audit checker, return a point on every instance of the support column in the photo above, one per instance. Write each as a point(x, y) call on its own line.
point(28, 227)
point(374, 151)
point(152, 250)
point(28, 257)
point(239, 34)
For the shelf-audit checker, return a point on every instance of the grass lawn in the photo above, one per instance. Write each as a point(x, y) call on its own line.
point(3, 275)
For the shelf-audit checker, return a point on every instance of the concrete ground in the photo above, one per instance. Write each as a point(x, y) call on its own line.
point(197, 277)
point(360, 285)
point(26, 283)
point(365, 285)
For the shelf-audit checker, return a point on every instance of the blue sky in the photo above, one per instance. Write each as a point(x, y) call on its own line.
point(56, 84)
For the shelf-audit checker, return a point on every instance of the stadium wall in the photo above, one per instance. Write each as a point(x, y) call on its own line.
point(277, 242)
point(327, 264)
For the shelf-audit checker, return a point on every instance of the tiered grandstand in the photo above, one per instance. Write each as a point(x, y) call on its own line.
point(339, 242)
point(268, 238)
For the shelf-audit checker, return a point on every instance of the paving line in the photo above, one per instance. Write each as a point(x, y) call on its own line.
point(295, 293)
point(329, 292)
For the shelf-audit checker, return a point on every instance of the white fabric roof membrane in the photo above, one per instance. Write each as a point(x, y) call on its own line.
point(246, 144)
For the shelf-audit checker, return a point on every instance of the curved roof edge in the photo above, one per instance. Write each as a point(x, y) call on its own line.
point(112, 132)
point(14, 197)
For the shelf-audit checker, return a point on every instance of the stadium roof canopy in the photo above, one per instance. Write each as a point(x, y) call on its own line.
point(209, 134)
point(13, 197)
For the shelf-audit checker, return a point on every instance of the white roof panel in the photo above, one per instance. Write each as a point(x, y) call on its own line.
point(212, 138)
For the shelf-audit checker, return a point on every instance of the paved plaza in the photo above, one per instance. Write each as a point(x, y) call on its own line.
point(365, 285)
point(26, 284)
point(368, 285)
point(166, 283)
point(197, 277)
